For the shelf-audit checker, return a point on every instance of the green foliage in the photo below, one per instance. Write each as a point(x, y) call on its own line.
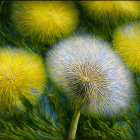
point(35, 124)
point(52, 117)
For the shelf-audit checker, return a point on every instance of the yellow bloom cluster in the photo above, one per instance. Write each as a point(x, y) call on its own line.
point(111, 11)
point(44, 21)
point(22, 76)
point(127, 43)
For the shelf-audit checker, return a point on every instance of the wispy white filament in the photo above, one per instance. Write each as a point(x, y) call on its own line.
point(94, 75)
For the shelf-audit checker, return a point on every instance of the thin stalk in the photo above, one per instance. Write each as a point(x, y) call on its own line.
point(138, 92)
point(74, 124)
point(137, 86)
point(137, 82)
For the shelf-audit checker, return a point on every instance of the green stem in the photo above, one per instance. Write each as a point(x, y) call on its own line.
point(138, 93)
point(74, 124)
point(136, 82)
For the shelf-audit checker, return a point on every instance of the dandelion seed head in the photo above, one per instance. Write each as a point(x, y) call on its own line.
point(93, 76)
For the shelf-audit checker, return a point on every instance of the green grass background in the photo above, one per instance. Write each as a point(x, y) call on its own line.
point(52, 116)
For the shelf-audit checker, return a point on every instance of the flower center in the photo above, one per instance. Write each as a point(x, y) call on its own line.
point(84, 78)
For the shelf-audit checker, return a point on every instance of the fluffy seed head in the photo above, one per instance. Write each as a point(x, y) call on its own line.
point(93, 76)
point(127, 43)
point(112, 11)
point(22, 76)
point(44, 21)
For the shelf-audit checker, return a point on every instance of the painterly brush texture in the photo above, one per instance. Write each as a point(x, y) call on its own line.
point(127, 43)
point(44, 21)
point(51, 117)
point(104, 16)
point(111, 11)
point(22, 75)
point(95, 76)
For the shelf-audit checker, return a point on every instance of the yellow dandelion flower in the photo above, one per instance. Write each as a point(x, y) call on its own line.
point(127, 43)
point(111, 11)
point(22, 76)
point(44, 21)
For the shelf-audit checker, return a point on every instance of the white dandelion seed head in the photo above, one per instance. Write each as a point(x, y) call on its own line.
point(92, 74)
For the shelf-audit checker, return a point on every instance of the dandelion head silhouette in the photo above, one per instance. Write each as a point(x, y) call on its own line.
point(94, 77)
